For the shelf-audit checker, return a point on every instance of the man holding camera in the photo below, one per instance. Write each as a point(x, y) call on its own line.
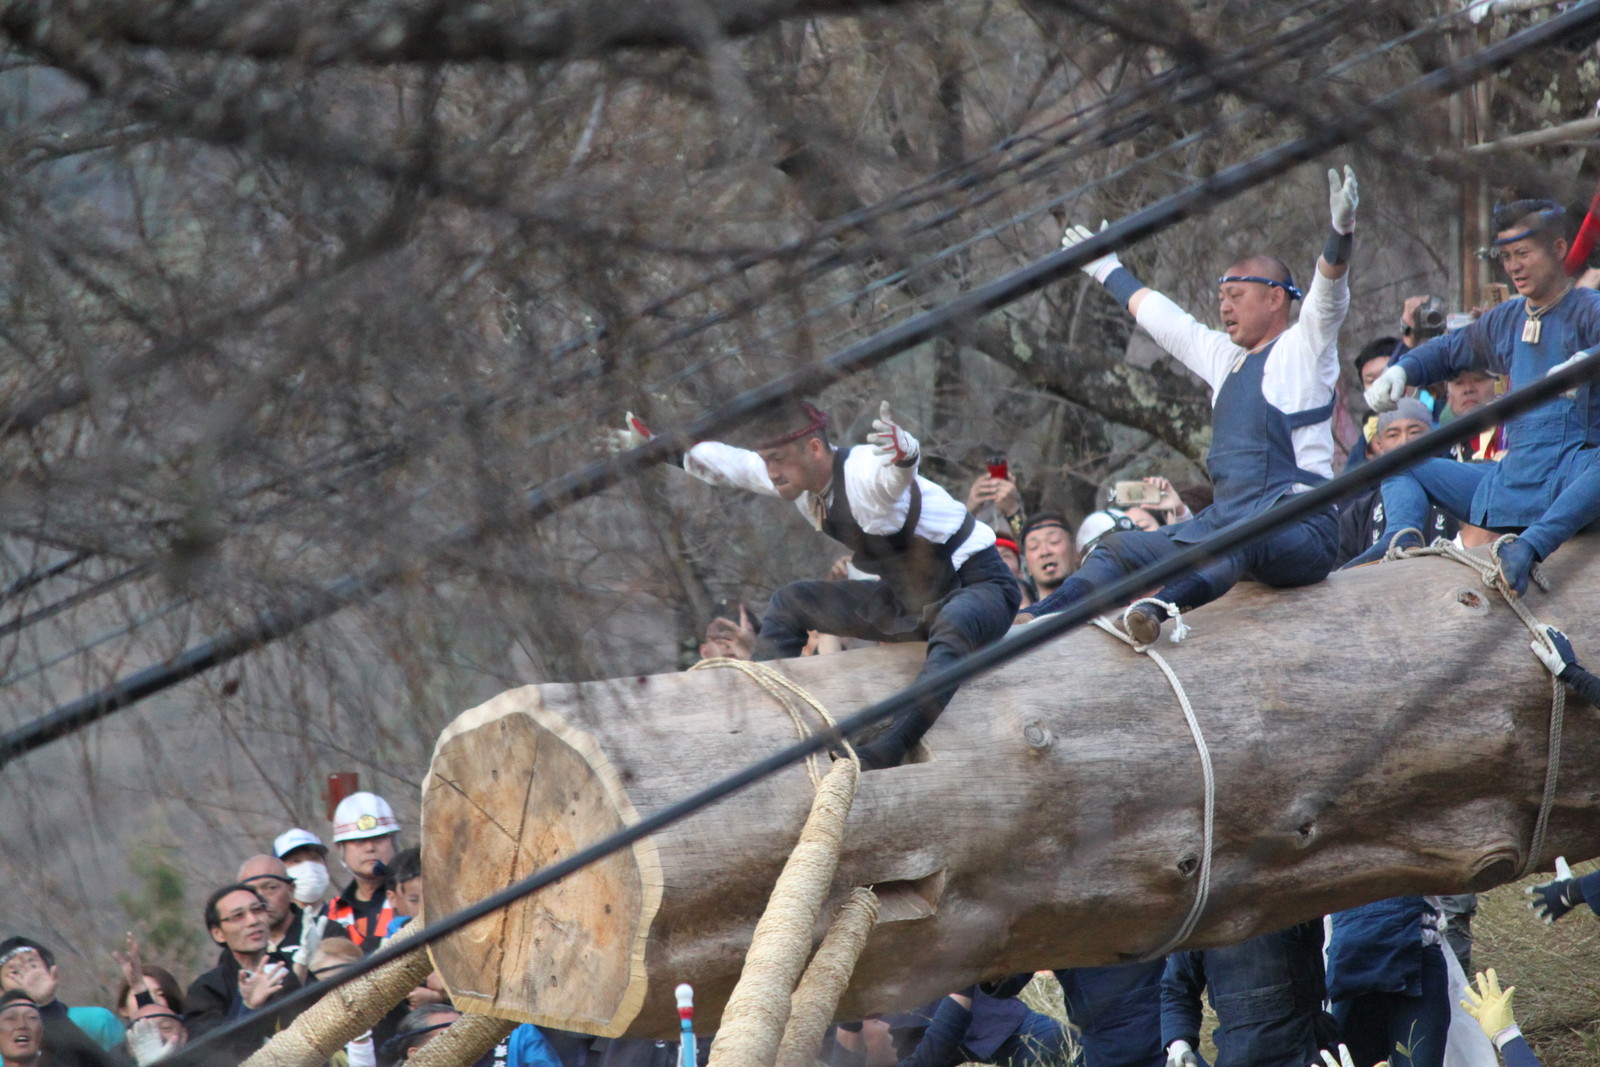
point(1272, 397)
point(1547, 487)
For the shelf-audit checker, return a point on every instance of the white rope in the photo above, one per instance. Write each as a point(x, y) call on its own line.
point(791, 696)
point(1203, 891)
point(1494, 577)
point(1180, 629)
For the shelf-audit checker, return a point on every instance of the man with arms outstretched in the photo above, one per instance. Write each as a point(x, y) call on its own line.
point(940, 579)
point(1272, 402)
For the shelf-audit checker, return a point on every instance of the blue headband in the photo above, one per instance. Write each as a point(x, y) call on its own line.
point(1288, 286)
point(1548, 214)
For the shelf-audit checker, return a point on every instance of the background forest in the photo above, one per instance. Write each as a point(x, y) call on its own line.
point(294, 291)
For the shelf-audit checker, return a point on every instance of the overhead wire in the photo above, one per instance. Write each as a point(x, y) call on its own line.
point(595, 477)
point(1288, 43)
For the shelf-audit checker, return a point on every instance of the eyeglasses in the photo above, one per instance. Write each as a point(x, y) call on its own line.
point(247, 913)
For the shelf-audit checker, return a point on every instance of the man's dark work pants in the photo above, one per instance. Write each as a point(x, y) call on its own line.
point(979, 611)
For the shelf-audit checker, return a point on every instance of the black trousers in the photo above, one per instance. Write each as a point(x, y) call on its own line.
point(979, 610)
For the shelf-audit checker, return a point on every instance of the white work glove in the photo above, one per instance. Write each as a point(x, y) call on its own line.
point(1342, 199)
point(1344, 1059)
point(633, 434)
point(890, 440)
point(1098, 269)
point(147, 1045)
point(1571, 361)
point(310, 938)
point(1179, 1054)
point(1555, 653)
point(361, 1051)
point(1383, 394)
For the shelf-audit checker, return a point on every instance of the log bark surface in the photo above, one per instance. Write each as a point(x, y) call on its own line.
point(1381, 733)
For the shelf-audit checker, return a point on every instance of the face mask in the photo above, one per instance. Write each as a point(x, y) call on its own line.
point(310, 881)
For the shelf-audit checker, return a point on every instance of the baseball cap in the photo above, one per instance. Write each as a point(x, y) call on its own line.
point(290, 840)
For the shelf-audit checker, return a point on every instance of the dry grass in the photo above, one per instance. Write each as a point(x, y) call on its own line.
point(1556, 970)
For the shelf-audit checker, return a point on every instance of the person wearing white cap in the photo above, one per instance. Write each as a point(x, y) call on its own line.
point(364, 832)
point(305, 857)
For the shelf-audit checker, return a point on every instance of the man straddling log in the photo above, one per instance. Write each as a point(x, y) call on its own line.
point(1547, 487)
point(940, 578)
point(1272, 398)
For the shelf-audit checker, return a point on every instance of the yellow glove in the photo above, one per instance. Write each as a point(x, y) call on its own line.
point(1489, 1004)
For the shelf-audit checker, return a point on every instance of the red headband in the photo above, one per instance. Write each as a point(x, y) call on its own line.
point(818, 421)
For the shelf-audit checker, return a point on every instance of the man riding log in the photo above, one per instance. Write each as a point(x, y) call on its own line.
point(1547, 487)
point(940, 578)
point(1272, 398)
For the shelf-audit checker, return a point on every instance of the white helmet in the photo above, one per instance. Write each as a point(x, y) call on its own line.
point(1099, 523)
point(362, 815)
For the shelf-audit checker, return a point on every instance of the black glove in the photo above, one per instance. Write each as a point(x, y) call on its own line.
point(1552, 900)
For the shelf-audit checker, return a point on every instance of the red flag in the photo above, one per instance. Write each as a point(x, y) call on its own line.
point(1583, 244)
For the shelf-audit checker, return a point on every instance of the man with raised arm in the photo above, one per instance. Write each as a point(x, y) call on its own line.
point(940, 579)
point(1547, 487)
point(1272, 402)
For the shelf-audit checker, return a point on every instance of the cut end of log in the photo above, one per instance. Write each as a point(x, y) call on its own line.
point(573, 955)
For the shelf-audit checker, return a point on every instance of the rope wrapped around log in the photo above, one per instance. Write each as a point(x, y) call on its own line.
point(348, 1011)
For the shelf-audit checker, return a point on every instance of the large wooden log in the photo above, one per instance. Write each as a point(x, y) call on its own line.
point(1384, 732)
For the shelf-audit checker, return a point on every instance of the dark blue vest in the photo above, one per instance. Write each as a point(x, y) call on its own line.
point(1251, 462)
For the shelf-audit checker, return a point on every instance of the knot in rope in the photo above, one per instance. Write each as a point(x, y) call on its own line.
point(1180, 629)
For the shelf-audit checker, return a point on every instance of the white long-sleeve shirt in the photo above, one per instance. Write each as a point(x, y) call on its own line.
point(879, 494)
point(1302, 368)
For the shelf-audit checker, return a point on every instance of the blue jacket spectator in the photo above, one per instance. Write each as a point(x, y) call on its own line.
point(1267, 992)
point(1117, 1011)
point(1388, 983)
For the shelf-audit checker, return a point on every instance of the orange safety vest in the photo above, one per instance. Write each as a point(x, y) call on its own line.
point(358, 929)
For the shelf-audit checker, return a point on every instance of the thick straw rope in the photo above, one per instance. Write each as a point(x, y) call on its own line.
point(817, 997)
point(348, 1011)
point(464, 1042)
point(1203, 887)
point(791, 697)
point(1493, 577)
point(754, 1019)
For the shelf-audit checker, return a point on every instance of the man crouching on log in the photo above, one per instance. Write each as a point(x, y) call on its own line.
point(1272, 397)
point(940, 578)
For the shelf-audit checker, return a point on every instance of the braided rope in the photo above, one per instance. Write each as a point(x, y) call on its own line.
point(758, 1013)
point(464, 1042)
point(790, 696)
point(758, 1009)
point(1208, 774)
point(816, 998)
point(1494, 577)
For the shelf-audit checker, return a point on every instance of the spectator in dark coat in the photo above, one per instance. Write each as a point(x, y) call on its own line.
point(247, 977)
